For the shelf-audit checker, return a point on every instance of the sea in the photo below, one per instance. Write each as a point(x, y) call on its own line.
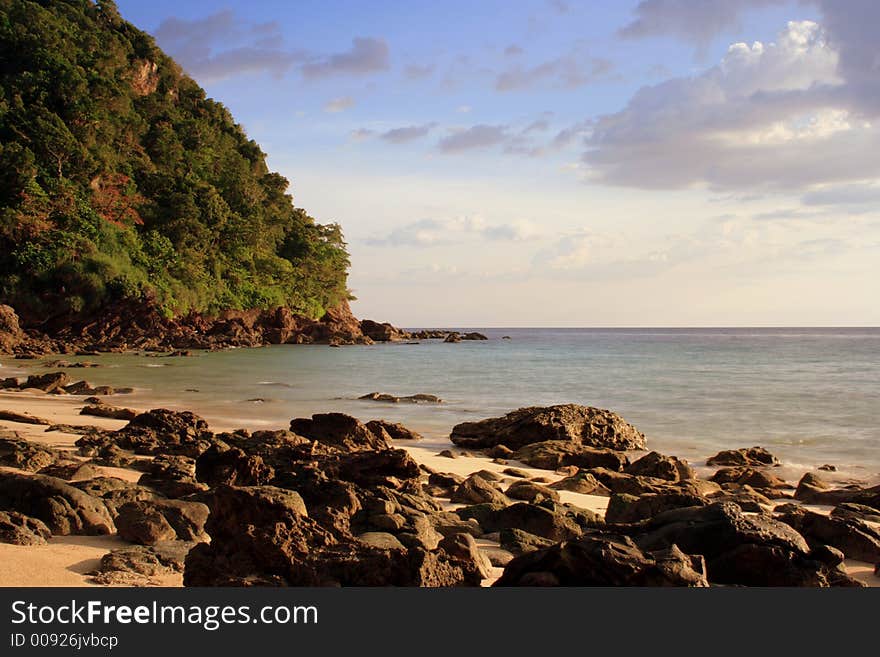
point(809, 395)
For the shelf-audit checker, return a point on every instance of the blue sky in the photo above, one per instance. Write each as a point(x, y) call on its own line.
point(663, 163)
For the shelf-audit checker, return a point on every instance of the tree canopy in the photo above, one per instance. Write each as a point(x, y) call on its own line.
point(120, 179)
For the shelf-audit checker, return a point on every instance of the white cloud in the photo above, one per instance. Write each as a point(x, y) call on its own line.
point(444, 232)
point(339, 104)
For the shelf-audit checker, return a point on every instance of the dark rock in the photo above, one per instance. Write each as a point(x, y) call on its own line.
point(19, 529)
point(739, 549)
point(620, 482)
point(812, 489)
point(47, 382)
point(150, 521)
point(418, 398)
point(554, 454)
point(338, 430)
point(750, 456)
point(519, 542)
point(629, 508)
point(514, 472)
point(500, 452)
point(856, 539)
point(568, 422)
point(530, 492)
point(114, 492)
point(232, 466)
point(463, 547)
point(745, 497)
point(172, 476)
point(452, 337)
point(64, 509)
point(137, 565)
point(18, 453)
point(161, 431)
point(660, 466)
point(445, 480)
point(447, 453)
point(382, 540)
point(746, 476)
point(604, 560)
point(582, 482)
point(71, 471)
point(852, 511)
point(827, 468)
point(389, 431)
point(112, 412)
point(551, 523)
point(476, 490)
point(10, 330)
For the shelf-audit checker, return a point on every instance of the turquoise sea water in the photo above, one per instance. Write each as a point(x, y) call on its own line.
point(811, 396)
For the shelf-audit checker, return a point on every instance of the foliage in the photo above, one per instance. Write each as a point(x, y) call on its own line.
point(120, 179)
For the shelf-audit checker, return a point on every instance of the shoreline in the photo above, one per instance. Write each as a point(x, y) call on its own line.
point(65, 561)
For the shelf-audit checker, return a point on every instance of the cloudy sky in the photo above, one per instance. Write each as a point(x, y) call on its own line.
point(562, 163)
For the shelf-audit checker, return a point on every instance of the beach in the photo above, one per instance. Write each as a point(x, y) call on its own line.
point(72, 560)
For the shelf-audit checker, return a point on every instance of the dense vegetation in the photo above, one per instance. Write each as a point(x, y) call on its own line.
point(121, 180)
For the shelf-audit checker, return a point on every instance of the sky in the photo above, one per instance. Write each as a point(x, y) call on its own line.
point(562, 163)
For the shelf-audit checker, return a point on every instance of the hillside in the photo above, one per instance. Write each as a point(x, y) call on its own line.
point(124, 186)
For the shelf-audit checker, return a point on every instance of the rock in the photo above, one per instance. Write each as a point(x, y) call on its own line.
point(500, 452)
point(517, 541)
point(447, 453)
point(383, 332)
point(514, 472)
point(445, 481)
point(856, 539)
point(263, 536)
point(582, 482)
point(63, 508)
point(654, 464)
point(150, 521)
point(745, 476)
point(232, 466)
point(381, 540)
point(604, 560)
point(629, 508)
point(161, 431)
point(72, 471)
point(489, 475)
point(112, 412)
point(739, 549)
point(338, 430)
point(531, 492)
point(827, 468)
point(473, 335)
point(9, 383)
point(19, 529)
point(16, 452)
point(745, 497)
point(394, 399)
point(172, 476)
point(463, 547)
point(452, 337)
point(620, 482)
point(447, 523)
point(137, 565)
point(476, 490)
point(389, 431)
point(584, 425)
point(47, 382)
point(812, 489)
point(852, 511)
point(750, 456)
point(22, 418)
point(551, 523)
point(554, 454)
point(10, 331)
point(114, 492)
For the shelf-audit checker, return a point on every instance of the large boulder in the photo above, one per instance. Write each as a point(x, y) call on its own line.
point(553, 522)
point(585, 425)
point(161, 431)
point(171, 476)
point(392, 431)
point(63, 508)
point(476, 490)
point(554, 454)
point(630, 508)
point(339, 430)
point(740, 549)
point(604, 560)
point(142, 565)
point(812, 489)
point(232, 466)
point(746, 476)
point(49, 382)
point(582, 482)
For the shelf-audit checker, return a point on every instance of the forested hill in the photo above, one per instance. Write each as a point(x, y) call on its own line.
point(122, 181)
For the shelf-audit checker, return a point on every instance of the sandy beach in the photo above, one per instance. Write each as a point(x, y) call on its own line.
point(68, 560)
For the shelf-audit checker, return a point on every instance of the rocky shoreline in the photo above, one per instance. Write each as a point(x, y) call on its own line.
point(139, 327)
point(545, 496)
